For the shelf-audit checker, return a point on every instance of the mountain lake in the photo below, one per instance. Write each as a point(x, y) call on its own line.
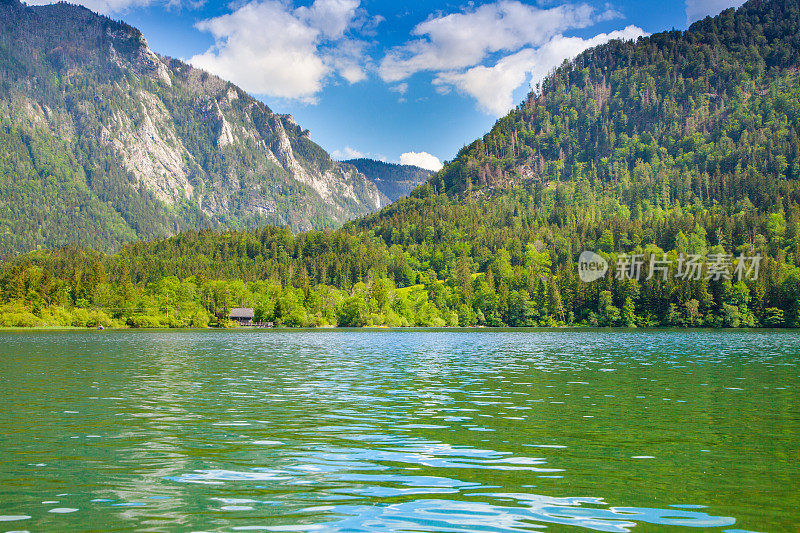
point(389, 430)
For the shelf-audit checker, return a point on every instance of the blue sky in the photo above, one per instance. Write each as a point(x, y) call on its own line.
point(403, 82)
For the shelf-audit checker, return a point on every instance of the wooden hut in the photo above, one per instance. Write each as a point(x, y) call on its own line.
point(243, 315)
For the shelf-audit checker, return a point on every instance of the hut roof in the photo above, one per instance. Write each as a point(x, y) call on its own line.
point(242, 312)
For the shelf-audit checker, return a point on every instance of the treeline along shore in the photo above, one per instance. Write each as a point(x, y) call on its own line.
point(674, 158)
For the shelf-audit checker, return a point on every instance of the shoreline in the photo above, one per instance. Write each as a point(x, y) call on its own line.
point(74, 329)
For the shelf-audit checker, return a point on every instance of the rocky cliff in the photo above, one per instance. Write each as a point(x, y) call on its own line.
point(109, 142)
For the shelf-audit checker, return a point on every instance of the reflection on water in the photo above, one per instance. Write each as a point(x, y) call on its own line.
point(400, 431)
point(449, 515)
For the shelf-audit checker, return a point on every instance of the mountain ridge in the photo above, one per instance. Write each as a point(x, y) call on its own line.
point(392, 179)
point(667, 84)
point(149, 144)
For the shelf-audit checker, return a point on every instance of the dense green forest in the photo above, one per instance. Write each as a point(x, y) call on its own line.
point(683, 144)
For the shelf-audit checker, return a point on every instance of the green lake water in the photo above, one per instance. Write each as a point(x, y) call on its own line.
point(383, 431)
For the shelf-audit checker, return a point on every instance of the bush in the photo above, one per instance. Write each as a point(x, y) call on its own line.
point(144, 321)
point(774, 317)
point(56, 316)
point(350, 314)
point(99, 318)
point(80, 318)
point(22, 319)
point(200, 320)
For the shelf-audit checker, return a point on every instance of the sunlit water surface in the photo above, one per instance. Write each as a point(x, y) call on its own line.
point(400, 431)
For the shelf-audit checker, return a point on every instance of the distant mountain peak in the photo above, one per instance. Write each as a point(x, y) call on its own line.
point(393, 180)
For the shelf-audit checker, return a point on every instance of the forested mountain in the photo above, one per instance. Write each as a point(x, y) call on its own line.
point(683, 146)
point(395, 181)
point(105, 142)
point(708, 116)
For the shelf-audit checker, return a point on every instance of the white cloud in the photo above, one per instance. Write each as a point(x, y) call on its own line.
point(347, 153)
point(331, 17)
point(700, 9)
point(268, 47)
point(460, 40)
point(422, 160)
point(400, 88)
point(105, 7)
point(348, 59)
point(529, 41)
point(493, 87)
point(352, 73)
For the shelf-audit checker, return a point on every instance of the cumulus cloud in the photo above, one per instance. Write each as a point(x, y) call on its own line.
point(700, 9)
point(348, 58)
point(493, 86)
point(269, 47)
point(347, 153)
point(331, 17)
point(422, 160)
point(460, 40)
point(490, 51)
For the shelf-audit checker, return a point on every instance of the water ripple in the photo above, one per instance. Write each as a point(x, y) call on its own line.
point(436, 431)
